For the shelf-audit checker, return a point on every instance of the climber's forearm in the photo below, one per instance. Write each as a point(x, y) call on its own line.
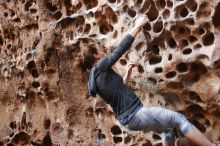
point(135, 31)
point(126, 77)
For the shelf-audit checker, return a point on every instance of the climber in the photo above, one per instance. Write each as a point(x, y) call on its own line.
point(129, 110)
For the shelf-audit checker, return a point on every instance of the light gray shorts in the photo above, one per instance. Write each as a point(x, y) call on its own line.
point(159, 120)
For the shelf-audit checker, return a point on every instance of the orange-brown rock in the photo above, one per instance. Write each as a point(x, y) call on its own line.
point(44, 99)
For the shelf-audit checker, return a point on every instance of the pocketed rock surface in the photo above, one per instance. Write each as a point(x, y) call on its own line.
point(43, 96)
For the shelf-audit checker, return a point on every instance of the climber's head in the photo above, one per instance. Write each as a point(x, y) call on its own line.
point(89, 56)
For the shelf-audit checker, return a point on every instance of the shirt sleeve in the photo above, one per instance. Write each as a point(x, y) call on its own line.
point(107, 62)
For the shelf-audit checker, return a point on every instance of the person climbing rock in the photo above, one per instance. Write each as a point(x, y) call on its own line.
point(129, 110)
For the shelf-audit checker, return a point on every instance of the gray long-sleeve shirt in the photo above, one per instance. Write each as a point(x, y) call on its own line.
point(109, 85)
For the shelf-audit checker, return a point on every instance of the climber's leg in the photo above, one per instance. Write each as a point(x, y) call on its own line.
point(155, 118)
point(198, 138)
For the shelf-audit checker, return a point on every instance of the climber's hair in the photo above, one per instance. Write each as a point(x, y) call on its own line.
point(86, 59)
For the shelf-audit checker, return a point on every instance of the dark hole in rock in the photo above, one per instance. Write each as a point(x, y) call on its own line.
point(160, 4)
point(216, 113)
point(90, 3)
point(11, 134)
point(198, 125)
point(6, 14)
point(8, 46)
point(171, 74)
point(87, 28)
point(104, 29)
point(68, 4)
point(13, 125)
point(112, 1)
point(32, 69)
point(115, 130)
point(131, 13)
point(79, 5)
point(190, 78)
point(158, 70)
point(36, 84)
point(187, 51)
point(192, 39)
point(147, 27)
point(58, 15)
point(139, 46)
point(28, 57)
point(155, 59)
point(201, 31)
point(192, 5)
point(125, 8)
point(70, 134)
point(47, 141)
point(182, 67)
point(158, 27)
point(207, 26)
point(101, 135)
point(216, 67)
point(184, 12)
point(208, 39)
point(195, 77)
point(145, 6)
point(216, 17)
point(156, 137)
point(148, 143)
point(207, 122)
point(139, 2)
point(158, 144)
point(170, 3)
point(23, 120)
point(170, 57)
point(198, 67)
point(195, 109)
point(184, 43)
point(123, 61)
point(172, 42)
point(50, 56)
point(161, 80)
point(50, 6)
point(47, 124)
point(21, 137)
point(140, 68)
point(91, 14)
point(17, 20)
point(89, 111)
point(117, 139)
point(127, 139)
point(181, 30)
point(147, 36)
point(27, 5)
point(197, 46)
point(152, 80)
point(153, 12)
point(33, 10)
point(190, 21)
point(114, 19)
point(115, 35)
point(80, 21)
point(155, 49)
point(194, 96)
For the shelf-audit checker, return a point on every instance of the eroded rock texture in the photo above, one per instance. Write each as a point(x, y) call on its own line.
point(43, 96)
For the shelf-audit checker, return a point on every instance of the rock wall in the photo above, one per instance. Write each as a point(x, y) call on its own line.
point(43, 96)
